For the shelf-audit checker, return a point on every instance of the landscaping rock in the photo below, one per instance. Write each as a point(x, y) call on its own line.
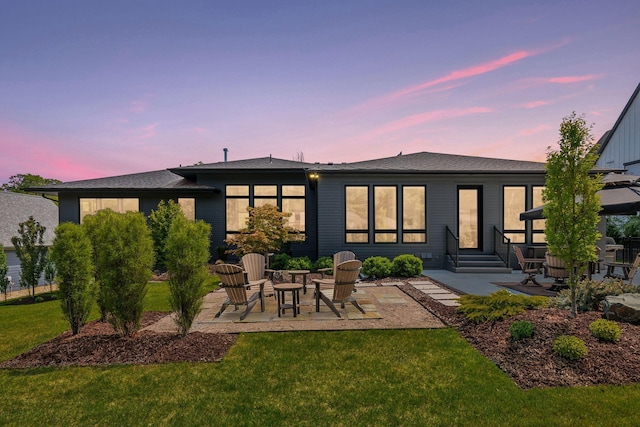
point(623, 308)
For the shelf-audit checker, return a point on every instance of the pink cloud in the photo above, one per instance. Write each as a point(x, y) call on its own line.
point(533, 131)
point(472, 71)
point(535, 104)
point(418, 119)
point(140, 105)
point(572, 79)
point(146, 132)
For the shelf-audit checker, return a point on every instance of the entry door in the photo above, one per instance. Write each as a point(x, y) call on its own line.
point(470, 217)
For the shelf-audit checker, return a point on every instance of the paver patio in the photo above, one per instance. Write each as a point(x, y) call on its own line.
point(386, 307)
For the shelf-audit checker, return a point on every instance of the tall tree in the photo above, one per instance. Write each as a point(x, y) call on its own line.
point(18, 183)
point(160, 221)
point(31, 252)
point(187, 252)
point(571, 200)
point(72, 254)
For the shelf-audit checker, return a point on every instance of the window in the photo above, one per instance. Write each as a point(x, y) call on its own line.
point(265, 195)
point(537, 231)
point(385, 214)
point(293, 202)
point(238, 199)
point(357, 214)
point(514, 202)
point(236, 209)
point(414, 228)
point(121, 205)
point(188, 207)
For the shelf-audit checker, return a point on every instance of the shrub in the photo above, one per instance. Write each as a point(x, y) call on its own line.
point(39, 299)
point(160, 221)
point(521, 329)
point(323, 262)
point(72, 253)
point(377, 267)
point(406, 265)
point(591, 293)
point(187, 253)
point(123, 250)
point(570, 347)
point(300, 263)
point(605, 330)
point(280, 261)
point(498, 305)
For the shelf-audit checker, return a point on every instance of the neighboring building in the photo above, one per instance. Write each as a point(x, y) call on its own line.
point(619, 148)
point(16, 208)
point(385, 207)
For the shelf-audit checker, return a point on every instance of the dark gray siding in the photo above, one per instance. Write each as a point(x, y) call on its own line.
point(441, 211)
point(215, 210)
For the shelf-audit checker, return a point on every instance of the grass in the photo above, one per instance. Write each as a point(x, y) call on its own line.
point(396, 377)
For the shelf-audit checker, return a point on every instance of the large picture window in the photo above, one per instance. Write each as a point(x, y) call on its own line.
point(240, 197)
point(414, 209)
point(89, 206)
point(357, 214)
point(236, 210)
point(385, 214)
point(293, 202)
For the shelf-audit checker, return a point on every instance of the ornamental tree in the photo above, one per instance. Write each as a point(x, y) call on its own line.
point(266, 231)
point(571, 200)
point(31, 252)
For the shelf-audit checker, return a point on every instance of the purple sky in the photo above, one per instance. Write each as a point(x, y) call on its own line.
point(98, 88)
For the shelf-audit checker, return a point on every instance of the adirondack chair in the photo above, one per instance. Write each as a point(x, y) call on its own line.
point(338, 258)
point(530, 266)
point(344, 283)
point(234, 282)
point(255, 266)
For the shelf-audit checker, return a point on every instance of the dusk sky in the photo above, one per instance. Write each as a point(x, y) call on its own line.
point(99, 88)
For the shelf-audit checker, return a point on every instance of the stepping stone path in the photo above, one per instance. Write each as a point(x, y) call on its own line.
point(438, 293)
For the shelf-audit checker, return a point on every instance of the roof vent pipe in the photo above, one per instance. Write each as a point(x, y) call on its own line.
point(225, 154)
point(270, 161)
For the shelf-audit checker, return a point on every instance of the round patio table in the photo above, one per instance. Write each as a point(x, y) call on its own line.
point(281, 289)
point(303, 273)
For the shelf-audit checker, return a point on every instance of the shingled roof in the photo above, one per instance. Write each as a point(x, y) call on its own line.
point(426, 162)
point(16, 208)
point(156, 180)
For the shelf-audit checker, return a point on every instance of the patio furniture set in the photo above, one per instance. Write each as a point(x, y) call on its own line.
point(245, 287)
point(551, 266)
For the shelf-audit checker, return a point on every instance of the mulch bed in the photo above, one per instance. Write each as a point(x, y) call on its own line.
point(97, 344)
point(530, 362)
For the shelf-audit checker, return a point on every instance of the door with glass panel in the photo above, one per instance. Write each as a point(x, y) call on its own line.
point(470, 217)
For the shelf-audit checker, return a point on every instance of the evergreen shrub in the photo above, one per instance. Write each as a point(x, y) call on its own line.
point(377, 267)
point(521, 329)
point(570, 347)
point(591, 293)
point(498, 305)
point(406, 265)
point(605, 330)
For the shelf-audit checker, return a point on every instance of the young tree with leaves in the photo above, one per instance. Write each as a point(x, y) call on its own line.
point(72, 254)
point(31, 252)
point(572, 204)
point(160, 221)
point(266, 231)
point(4, 269)
point(187, 253)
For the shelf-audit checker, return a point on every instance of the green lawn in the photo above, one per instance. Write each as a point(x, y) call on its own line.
point(404, 377)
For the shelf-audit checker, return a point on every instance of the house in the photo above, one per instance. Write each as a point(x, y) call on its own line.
point(16, 208)
point(619, 148)
point(439, 207)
